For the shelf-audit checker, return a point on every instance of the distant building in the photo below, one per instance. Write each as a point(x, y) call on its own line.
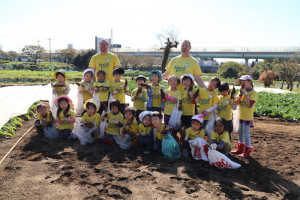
point(208, 66)
point(70, 46)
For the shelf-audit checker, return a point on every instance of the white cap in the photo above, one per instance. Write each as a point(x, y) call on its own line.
point(198, 118)
point(143, 114)
point(244, 77)
point(188, 75)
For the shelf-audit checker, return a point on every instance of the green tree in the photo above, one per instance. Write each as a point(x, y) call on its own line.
point(33, 51)
point(82, 59)
point(231, 70)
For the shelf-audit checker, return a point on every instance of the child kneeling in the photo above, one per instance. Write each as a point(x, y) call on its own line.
point(220, 137)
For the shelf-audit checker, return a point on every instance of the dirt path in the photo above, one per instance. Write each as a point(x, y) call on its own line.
point(40, 168)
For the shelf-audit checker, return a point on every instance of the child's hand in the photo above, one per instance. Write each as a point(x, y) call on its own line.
point(115, 92)
point(191, 94)
point(44, 123)
point(133, 98)
point(175, 100)
point(127, 127)
point(205, 112)
point(91, 91)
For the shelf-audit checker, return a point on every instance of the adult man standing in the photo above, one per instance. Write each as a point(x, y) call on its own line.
point(184, 64)
point(105, 61)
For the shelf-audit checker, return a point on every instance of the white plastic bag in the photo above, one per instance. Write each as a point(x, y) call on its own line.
point(199, 149)
point(84, 134)
point(78, 107)
point(175, 119)
point(50, 132)
point(111, 97)
point(96, 98)
point(53, 107)
point(210, 123)
point(236, 119)
point(123, 141)
point(221, 161)
point(103, 125)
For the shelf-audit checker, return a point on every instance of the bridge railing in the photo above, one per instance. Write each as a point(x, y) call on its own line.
point(219, 49)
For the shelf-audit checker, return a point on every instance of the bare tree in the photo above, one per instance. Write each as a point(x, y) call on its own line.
point(168, 37)
point(33, 51)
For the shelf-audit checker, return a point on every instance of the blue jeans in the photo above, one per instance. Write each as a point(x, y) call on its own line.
point(64, 133)
point(244, 134)
point(157, 145)
point(154, 109)
point(147, 140)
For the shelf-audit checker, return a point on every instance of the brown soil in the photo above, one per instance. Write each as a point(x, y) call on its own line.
point(40, 168)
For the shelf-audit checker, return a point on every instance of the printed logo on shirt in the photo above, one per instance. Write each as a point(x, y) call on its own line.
point(179, 69)
point(103, 65)
point(204, 101)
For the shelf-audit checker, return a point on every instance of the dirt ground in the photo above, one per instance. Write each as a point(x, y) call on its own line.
point(40, 168)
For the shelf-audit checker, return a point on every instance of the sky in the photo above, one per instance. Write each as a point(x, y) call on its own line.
point(136, 23)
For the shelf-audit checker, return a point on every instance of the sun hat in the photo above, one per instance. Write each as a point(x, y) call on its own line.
point(61, 97)
point(199, 118)
point(157, 72)
point(88, 70)
point(143, 114)
point(93, 102)
point(245, 78)
point(187, 75)
point(61, 72)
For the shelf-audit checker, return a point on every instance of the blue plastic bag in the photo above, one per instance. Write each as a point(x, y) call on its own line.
point(170, 147)
point(50, 132)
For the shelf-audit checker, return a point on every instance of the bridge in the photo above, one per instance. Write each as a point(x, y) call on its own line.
point(222, 52)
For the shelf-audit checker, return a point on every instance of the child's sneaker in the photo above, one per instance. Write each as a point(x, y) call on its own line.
point(146, 152)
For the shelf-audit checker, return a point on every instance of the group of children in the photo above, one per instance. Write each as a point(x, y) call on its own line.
point(147, 122)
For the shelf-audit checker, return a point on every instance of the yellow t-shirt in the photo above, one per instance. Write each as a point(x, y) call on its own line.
point(142, 129)
point(106, 63)
point(87, 86)
point(169, 105)
point(60, 90)
point(187, 107)
point(179, 66)
point(103, 95)
point(224, 137)
point(94, 119)
point(47, 118)
point(65, 124)
point(191, 134)
point(156, 95)
point(139, 104)
point(245, 112)
point(112, 128)
point(158, 134)
point(119, 86)
point(207, 100)
point(134, 127)
point(224, 107)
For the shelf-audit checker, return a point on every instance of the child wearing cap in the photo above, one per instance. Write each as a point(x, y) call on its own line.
point(102, 87)
point(114, 122)
point(61, 87)
point(196, 130)
point(86, 85)
point(155, 93)
point(172, 97)
point(44, 119)
point(65, 117)
point(208, 98)
point(246, 100)
point(188, 95)
point(220, 137)
point(119, 88)
point(139, 96)
point(225, 105)
point(144, 131)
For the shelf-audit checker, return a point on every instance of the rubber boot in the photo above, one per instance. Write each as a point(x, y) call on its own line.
point(240, 149)
point(248, 150)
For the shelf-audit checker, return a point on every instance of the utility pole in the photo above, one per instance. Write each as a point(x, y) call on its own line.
point(50, 48)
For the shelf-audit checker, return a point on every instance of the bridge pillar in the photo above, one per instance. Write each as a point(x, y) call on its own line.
point(246, 62)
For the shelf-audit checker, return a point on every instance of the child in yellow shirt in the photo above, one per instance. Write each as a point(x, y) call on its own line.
point(61, 87)
point(44, 121)
point(196, 130)
point(139, 96)
point(130, 125)
point(114, 122)
point(102, 87)
point(225, 105)
point(145, 131)
point(155, 93)
point(86, 85)
point(188, 99)
point(119, 88)
point(65, 117)
point(172, 97)
point(220, 137)
point(157, 129)
point(246, 100)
